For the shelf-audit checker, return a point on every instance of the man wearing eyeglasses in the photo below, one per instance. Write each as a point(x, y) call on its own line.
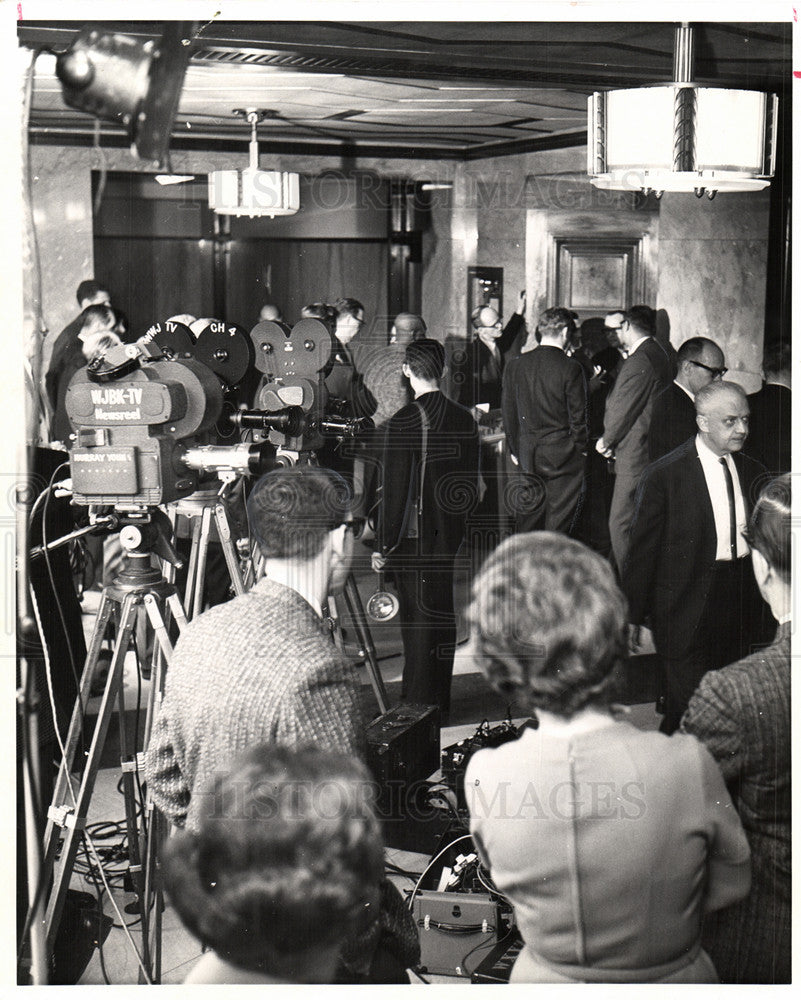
point(627, 417)
point(687, 568)
point(700, 362)
point(476, 366)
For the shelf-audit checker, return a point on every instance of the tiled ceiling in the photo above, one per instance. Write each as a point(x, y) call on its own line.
point(443, 89)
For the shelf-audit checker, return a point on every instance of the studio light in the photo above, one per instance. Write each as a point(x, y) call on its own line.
point(132, 82)
point(680, 136)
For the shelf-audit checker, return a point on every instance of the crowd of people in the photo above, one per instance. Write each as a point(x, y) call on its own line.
point(628, 856)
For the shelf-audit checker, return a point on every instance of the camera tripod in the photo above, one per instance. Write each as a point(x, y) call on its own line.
point(198, 509)
point(138, 590)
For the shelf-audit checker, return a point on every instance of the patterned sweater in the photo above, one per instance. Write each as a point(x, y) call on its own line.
point(261, 668)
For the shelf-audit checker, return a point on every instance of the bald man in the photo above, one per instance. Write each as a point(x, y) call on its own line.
point(476, 366)
point(688, 567)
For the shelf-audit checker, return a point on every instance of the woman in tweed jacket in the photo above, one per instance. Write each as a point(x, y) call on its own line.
point(742, 715)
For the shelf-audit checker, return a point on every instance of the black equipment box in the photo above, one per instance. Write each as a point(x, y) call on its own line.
point(403, 745)
point(455, 758)
point(496, 967)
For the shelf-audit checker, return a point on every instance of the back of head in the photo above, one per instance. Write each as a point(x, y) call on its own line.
point(553, 321)
point(291, 511)
point(426, 359)
point(269, 312)
point(91, 292)
point(770, 528)
point(348, 307)
point(285, 860)
point(96, 319)
point(695, 348)
point(642, 319)
point(548, 623)
point(409, 326)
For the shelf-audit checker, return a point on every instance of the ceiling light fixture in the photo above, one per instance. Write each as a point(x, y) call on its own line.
point(681, 136)
point(254, 192)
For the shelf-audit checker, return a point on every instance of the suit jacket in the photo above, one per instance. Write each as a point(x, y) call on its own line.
point(673, 543)
point(742, 715)
point(769, 434)
point(672, 421)
point(450, 482)
point(476, 374)
point(63, 347)
point(544, 407)
point(627, 416)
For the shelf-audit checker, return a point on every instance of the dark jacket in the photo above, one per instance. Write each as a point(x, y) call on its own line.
point(545, 410)
point(769, 434)
point(673, 542)
point(628, 407)
point(450, 483)
point(672, 421)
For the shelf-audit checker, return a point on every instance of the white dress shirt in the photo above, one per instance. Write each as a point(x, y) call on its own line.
point(718, 494)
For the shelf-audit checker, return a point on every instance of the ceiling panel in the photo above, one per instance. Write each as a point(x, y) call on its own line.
point(438, 87)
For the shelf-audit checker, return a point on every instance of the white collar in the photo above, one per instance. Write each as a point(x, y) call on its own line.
point(684, 389)
point(637, 343)
point(706, 454)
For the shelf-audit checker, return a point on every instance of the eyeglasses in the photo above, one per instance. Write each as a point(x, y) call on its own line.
point(714, 372)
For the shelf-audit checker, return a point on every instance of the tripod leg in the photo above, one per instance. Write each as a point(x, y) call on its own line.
point(63, 794)
point(224, 532)
point(129, 767)
point(191, 570)
point(75, 819)
point(353, 602)
point(200, 568)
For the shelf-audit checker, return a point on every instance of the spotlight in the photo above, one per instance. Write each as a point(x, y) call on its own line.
point(132, 82)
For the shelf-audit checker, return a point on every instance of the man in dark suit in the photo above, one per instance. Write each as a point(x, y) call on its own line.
point(771, 411)
point(627, 417)
point(429, 485)
point(476, 366)
point(66, 344)
point(688, 567)
point(544, 406)
point(700, 361)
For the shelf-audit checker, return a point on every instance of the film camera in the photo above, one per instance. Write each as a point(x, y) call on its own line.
point(143, 424)
point(291, 400)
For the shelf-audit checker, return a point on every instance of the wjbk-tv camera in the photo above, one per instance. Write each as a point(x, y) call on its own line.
point(142, 426)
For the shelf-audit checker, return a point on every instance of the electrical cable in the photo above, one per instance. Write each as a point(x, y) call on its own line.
point(430, 865)
point(100, 916)
point(57, 600)
point(484, 944)
point(42, 882)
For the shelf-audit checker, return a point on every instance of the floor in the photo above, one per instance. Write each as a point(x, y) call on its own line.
point(473, 701)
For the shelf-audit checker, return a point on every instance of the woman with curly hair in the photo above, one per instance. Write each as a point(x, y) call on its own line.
point(611, 843)
point(285, 865)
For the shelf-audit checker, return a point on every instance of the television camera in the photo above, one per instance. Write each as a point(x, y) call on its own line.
point(143, 423)
point(292, 401)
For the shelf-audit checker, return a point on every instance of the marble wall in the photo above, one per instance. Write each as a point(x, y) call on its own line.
point(710, 256)
point(712, 274)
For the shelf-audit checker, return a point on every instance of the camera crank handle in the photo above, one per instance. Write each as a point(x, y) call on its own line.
point(164, 550)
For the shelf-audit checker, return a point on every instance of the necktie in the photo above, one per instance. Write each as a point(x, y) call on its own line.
point(732, 512)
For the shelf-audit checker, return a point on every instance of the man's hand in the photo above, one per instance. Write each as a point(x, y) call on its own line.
point(602, 449)
point(378, 562)
point(635, 638)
